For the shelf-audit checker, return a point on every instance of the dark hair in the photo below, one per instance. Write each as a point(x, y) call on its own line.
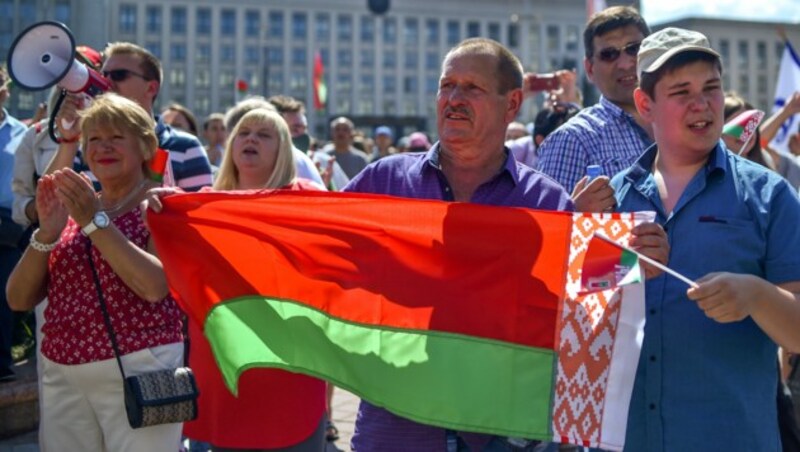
point(187, 114)
point(611, 19)
point(648, 80)
point(286, 104)
point(509, 68)
point(551, 118)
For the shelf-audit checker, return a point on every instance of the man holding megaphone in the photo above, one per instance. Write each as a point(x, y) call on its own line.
point(135, 73)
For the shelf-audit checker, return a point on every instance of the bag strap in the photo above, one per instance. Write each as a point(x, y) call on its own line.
point(103, 308)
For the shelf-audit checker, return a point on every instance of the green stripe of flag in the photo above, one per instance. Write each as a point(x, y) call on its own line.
point(462, 382)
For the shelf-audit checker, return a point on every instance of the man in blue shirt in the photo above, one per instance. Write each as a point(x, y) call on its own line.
point(707, 375)
point(610, 133)
point(11, 133)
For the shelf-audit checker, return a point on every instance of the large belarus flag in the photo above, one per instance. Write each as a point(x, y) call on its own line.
point(457, 315)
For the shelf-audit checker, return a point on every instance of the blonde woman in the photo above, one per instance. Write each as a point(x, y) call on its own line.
point(275, 410)
point(82, 390)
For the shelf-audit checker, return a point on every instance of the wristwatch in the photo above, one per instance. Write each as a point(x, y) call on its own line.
point(100, 221)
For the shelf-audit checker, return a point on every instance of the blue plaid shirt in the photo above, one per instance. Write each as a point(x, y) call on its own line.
point(602, 134)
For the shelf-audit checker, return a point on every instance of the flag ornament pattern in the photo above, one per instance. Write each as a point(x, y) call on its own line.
point(744, 125)
point(448, 318)
point(320, 89)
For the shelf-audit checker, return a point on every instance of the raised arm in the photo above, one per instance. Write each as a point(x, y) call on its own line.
point(769, 128)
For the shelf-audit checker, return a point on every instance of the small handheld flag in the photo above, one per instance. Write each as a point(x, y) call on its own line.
point(608, 264)
point(158, 165)
point(320, 90)
point(743, 127)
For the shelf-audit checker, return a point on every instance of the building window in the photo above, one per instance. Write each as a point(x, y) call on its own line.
point(299, 25)
point(473, 29)
point(494, 31)
point(344, 57)
point(153, 47)
point(367, 58)
point(389, 30)
point(513, 35)
point(227, 54)
point(389, 59)
point(366, 106)
point(725, 50)
point(432, 32)
point(202, 104)
point(275, 82)
point(761, 55)
point(553, 35)
point(275, 28)
point(534, 41)
point(27, 13)
point(202, 78)
point(226, 79)
point(274, 56)
point(299, 56)
point(367, 84)
point(432, 60)
point(573, 37)
point(203, 53)
point(127, 18)
point(251, 54)
point(344, 28)
point(412, 59)
point(410, 108)
point(409, 85)
point(744, 55)
point(252, 23)
point(344, 84)
point(297, 81)
point(152, 21)
point(178, 19)
point(228, 22)
point(453, 33)
point(177, 52)
point(63, 11)
point(203, 21)
point(411, 31)
point(389, 84)
point(431, 84)
point(744, 85)
point(389, 107)
point(367, 29)
point(177, 77)
point(323, 27)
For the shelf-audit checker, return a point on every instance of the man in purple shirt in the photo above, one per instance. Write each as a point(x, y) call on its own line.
point(479, 95)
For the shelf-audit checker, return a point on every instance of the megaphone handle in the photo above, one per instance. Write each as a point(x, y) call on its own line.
point(51, 125)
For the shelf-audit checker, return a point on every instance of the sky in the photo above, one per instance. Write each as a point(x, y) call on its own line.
point(657, 11)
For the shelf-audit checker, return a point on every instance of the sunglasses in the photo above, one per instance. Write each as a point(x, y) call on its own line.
point(610, 54)
point(118, 75)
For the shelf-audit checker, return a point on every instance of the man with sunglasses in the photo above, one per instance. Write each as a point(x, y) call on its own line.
point(610, 133)
point(136, 73)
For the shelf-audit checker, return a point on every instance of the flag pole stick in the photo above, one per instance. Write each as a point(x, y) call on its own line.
point(746, 143)
point(650, 261)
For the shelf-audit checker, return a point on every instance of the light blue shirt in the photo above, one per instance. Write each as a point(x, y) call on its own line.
point(11, 133)
point(602, 134)
point(700, 384)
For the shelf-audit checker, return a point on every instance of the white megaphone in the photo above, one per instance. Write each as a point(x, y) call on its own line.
point(44, 55)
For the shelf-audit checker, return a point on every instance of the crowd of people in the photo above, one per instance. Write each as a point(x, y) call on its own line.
point(709, 375)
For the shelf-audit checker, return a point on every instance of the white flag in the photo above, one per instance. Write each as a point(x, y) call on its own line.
point(788, 83)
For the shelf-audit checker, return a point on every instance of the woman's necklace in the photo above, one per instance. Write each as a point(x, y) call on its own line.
point(126, 200)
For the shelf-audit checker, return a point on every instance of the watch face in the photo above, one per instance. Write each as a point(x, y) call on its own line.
point(101, 220)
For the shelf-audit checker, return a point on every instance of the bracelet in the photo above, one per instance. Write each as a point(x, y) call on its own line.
point(42, 247)
point(71, 140)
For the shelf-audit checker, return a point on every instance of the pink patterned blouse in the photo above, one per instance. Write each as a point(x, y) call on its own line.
point(74, 330)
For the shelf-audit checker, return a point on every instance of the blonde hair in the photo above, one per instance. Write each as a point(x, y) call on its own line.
point(283, 173)
point(119, 113)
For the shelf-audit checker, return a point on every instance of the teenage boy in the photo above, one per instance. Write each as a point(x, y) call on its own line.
point(707, 379)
